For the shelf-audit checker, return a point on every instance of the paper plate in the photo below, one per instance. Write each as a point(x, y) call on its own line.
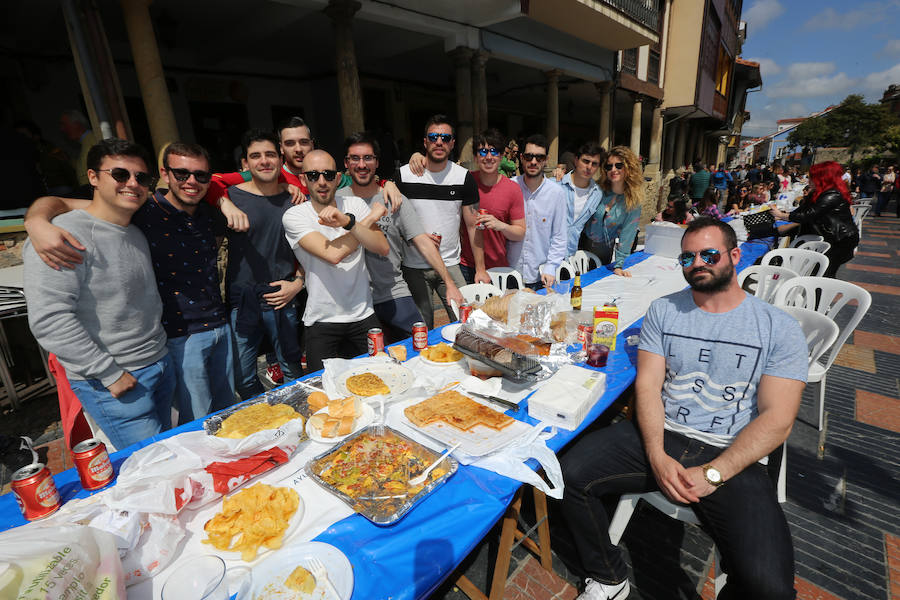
point(269, 575)
point(449, 332)
point(366, 417)
point(397, 377)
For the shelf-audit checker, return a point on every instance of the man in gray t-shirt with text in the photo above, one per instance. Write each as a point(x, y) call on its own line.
point(392, 300)
point(719, 379)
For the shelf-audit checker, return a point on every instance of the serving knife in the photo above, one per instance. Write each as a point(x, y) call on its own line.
point(501, 401)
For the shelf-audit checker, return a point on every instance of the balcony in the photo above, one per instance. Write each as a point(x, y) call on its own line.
point(645, 12)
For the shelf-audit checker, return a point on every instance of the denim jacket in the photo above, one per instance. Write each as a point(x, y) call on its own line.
point(576, 222)
point(613, 220)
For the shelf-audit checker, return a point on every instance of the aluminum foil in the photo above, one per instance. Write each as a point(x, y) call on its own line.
point(294, 395)
point(383, 508)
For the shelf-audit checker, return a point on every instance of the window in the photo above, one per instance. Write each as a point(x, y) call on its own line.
point(653, 67)
point(629, 60)
point(723, 71)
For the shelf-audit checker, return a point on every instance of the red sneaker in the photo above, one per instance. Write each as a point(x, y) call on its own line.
point(274, 374)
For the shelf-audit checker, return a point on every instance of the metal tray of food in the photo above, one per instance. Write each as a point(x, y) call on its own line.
point(293, 395)
point(386, 499)
point(514, 366)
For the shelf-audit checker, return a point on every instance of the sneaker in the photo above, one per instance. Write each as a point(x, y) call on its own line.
point(274, 374)
point(594, 590)
point(17, 452)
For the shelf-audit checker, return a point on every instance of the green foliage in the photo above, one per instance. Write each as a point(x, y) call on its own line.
point(854, 125)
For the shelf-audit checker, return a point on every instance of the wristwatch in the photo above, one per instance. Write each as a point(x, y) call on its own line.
point(352, 221)
point(712, 475)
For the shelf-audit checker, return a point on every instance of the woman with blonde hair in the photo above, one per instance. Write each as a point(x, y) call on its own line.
point(617, 216)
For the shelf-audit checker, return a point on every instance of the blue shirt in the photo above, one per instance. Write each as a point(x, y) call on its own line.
point(183, 253)
point(613, 220)
point(546, 220)
point(720, 179)
point(576, 222)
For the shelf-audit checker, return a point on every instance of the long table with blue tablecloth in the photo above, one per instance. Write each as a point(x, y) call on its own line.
point(411, 558)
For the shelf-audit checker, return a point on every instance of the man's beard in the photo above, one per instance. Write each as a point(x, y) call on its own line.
point(717, 283)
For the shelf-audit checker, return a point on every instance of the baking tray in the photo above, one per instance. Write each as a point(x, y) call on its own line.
point(518, 367)
point(385, 509)
point(294, 395)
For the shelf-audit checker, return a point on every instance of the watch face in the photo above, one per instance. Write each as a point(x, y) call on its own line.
point(713, 475)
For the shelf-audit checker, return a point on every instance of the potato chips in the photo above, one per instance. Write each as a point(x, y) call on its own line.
point(257, 417)
point(253, 517)
point(301, 580)
point(441, 353)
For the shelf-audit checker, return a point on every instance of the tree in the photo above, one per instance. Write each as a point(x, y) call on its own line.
point(854, 125)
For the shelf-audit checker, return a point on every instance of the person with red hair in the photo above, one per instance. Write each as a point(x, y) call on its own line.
point(826, 212)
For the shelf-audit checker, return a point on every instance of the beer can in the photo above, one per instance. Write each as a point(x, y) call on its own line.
point(375, 341)
point(585, 333)
point(92, 461)
point(481, 211)
point(35, 491)
point(419, 336)
point(464, 311)
point(438, 236)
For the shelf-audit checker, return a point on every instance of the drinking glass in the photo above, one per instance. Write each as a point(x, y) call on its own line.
point(597, 355)
point(200, 577)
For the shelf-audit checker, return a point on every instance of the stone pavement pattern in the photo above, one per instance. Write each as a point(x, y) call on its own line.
point(843, 502)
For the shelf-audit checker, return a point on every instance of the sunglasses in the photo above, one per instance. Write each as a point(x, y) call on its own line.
point(444, 137)
point(121, 175)
point(184, 174)
point(329, 175)
point(485, 151)
point(528, 156)
point(710, 256)
point(618, 165)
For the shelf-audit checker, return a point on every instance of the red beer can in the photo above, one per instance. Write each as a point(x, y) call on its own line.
point(419, 336)
point(92, 462)
point(585, 333)
point(464, 311)
point(375, 341)
point(35, 491)
point(481, 211)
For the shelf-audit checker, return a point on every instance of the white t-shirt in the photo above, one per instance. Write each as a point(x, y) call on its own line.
point(337, 293)
point(581, 198)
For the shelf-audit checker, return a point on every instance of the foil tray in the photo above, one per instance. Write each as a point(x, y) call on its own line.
point(294, 395)
point(384, 509)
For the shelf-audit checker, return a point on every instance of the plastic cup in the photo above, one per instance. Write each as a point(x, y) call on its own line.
point(203, 578)
point(597, 355)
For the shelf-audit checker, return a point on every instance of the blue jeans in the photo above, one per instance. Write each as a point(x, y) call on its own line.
point(742, 516)
point(246, 349)
point(399, 315)
point(137, 414)
point(204, 372)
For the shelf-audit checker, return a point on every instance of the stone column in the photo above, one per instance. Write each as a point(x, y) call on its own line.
point(349, 90)
point(680, 132)
point(552, 117)
point(667, 162)
point(152, 79)
point(656, 131)
point(636, 125)
point(462, 61)
point(603, 89)
point(479, 91)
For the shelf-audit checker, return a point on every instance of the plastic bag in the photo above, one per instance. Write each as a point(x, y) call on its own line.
point(511, 462)
point(65, 561)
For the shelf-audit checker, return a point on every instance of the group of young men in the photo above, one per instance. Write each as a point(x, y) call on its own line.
point(124, 289)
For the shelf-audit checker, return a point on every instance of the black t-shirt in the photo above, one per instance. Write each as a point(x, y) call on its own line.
point(261, 254)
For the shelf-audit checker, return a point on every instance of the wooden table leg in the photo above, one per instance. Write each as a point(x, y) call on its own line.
point(540, 512)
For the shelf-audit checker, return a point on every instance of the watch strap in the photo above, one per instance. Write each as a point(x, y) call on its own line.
point(352, 221)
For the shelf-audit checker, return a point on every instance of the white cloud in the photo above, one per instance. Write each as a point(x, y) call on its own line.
point(809, 80)
point(806, 70)
point(891, 48)
point(878, 82)
point(796, 109)
point(767, 67)
point(762, 12)
point(831, 19)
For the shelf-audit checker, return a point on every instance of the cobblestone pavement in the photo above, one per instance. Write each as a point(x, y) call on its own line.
point(843, 488)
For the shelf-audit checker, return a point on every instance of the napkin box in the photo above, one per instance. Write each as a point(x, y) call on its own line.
point(663, 239)
point(566, 398)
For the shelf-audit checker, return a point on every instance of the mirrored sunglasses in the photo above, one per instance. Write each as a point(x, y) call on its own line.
point(710, 256)
point(444, 137)
point(485, 151)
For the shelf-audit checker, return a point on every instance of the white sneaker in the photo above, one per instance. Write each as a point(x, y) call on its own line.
point(594, 590)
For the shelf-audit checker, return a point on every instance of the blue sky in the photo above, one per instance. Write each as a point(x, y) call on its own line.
point(813, 53)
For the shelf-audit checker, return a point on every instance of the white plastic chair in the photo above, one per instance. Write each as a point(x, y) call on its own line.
point(820, 247)
point(861, 210)
point(833, 296)
point(500, 277)
point(764, 280)
point(565, 268)
point(806, 237)
point(476, 292)
point(584, 261)
point(801, 262)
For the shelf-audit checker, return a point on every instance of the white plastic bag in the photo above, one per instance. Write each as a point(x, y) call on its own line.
point(65, 561)
point(511, 462)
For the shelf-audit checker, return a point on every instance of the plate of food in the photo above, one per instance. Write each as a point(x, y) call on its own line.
point(254, 520)
point(371, 470)
point(372, 379)
point(339, 419)
point(288, 575)
point(256, 417)
point(440, 355)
